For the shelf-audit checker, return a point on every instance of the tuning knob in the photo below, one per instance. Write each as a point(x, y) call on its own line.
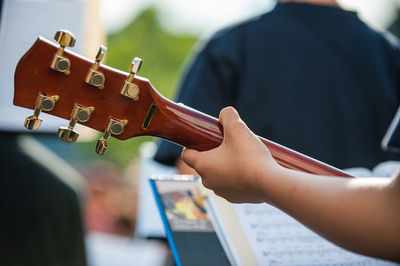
point(130, 89)
point(43, 102)
point(79, 114)
point(61, 63)
point(95, 77)
point(114, 127)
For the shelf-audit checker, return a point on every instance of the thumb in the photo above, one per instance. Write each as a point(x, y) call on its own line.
point(231, 123)
point(228, 115)
point(190, 157)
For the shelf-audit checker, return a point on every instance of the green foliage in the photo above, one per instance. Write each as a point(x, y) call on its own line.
point(163, 55)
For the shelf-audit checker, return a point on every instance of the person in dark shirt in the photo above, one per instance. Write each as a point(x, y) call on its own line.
point(308, 75)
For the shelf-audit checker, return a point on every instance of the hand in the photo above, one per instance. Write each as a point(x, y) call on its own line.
point(239, 168)
point(184, 169)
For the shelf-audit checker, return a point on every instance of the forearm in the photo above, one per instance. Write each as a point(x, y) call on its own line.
point(359, 214)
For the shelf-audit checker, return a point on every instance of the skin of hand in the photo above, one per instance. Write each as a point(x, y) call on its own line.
point(359, 214)
point(233, 170)
point(184, 169)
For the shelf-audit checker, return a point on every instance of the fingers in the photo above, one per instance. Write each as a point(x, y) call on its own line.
point(184, 169)
point(190, 157)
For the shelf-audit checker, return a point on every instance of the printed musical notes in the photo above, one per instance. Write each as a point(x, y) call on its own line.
point(278, 239)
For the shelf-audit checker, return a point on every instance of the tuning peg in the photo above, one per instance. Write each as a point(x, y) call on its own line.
point(130, 89)
point(94, 77)
point(79, 114)
point(114, 127)
point(61, 63)
point(43, 102)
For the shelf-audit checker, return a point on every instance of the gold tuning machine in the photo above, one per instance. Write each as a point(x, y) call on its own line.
point(95, 77)
point(114, 127)
point(130, 89)
point(79, 114)
point(43, 102)
point(61, 63)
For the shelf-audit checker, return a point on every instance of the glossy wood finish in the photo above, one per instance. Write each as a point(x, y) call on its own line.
point(171, 121)
point(193, 129)
point(33, 74)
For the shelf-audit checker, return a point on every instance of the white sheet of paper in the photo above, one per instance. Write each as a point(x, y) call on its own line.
point(22, 22)
point(149, 222)
point(383, 169)
point(278, 239)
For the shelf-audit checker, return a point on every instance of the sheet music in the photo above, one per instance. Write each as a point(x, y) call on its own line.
point(383, 169)
point(149, 222)
point(278, 239)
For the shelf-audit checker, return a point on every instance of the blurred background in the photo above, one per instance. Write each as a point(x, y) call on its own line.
point(164, 33)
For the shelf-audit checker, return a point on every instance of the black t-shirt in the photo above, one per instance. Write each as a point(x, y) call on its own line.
point(313, 78)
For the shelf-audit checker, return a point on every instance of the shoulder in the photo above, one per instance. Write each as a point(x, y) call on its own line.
point(385, 37)
point(235, 30)
point(392, 47)
point(391, 40)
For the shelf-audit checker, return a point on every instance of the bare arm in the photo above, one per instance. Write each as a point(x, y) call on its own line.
point(362, 215)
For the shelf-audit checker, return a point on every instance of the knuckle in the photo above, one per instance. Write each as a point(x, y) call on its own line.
point(205, 183)
point(198, 165)
point(232, 200)
point(202, 165)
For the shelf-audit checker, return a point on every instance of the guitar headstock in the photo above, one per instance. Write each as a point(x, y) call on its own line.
point(50, 79)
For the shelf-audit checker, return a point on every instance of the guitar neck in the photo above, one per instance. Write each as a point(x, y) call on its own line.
point(193, 129)
point(42, 85)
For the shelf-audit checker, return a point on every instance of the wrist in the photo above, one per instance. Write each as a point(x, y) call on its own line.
point(270, 182)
